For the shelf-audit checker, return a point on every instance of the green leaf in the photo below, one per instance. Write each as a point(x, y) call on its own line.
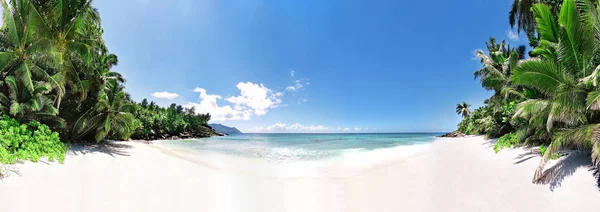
point(10, 25)
point(7, 59)
point(24, 75)
point(15, 109)
point(546, 76)
point(546, 25)
point(593, 100)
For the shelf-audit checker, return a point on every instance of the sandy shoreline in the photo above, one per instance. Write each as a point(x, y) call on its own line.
point(451, 175)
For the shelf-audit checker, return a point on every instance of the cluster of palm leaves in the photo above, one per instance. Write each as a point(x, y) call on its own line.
point(522, 17)
point(556, 91)
point(155, 122)
point(494, 119)
point(53, 59)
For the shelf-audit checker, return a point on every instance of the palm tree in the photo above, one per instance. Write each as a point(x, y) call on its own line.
point(73, 28)
point(116, 109)
point(25, 49)
point(112, 115)
point(497, 68)
point(567, 78)
point(28, 106)
point(522, 17)
point(463, 109)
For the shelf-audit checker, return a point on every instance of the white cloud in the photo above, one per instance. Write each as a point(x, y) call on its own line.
point(165, 95)
point(292, 73)
point(357, 129)
point(208, 104)
point(297, 86)
point(280, 127)
point(512, 35)
point(346, 129)
point(254, 100)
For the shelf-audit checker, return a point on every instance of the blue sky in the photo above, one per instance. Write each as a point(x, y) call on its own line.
point(358, 66)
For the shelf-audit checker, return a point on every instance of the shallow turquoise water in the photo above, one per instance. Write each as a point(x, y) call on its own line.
point(296, 147)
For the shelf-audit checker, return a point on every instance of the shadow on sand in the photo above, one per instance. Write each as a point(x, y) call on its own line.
point(489, 143)
point(110, 148)
point(565, 167)
point(532, 153)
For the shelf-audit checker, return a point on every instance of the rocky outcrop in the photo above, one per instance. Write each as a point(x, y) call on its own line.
point(204, 132)
point(207, 131)
point(454, 134)
point(225, 129)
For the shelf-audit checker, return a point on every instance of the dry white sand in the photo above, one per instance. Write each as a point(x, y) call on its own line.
point(450, 175)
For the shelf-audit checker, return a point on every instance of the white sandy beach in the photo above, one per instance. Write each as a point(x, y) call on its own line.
point(449, 175)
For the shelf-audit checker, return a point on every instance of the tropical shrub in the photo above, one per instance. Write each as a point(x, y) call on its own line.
point(31, 141)
point(506, 141)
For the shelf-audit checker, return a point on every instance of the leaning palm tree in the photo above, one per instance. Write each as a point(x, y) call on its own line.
point(111, 116)
point(567, 78)
point(116, 109)
point(498, 65)
point(463, 109)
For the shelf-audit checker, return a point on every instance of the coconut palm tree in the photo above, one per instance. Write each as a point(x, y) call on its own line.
point(73, 29)
point(463, 109)
point(25, 49)
point(27, 105)
point(522, 17)
point(567, 80)
point(116, 109)
point(111, 116)
point(498, 63)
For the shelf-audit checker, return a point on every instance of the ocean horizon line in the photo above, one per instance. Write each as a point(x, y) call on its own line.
point(349, 133)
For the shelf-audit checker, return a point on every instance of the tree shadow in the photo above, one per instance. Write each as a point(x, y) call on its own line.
point(526, 156)
point(110, 148)
point(596, 175)
point(489, 143)
point(565, 168)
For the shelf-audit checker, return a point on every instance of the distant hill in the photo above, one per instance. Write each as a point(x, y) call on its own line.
point(225, 129)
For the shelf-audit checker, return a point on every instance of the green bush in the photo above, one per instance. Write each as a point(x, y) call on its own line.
point(506, 141)
point(31, 141)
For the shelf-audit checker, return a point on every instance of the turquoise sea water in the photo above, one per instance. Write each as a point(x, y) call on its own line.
point(301, 147)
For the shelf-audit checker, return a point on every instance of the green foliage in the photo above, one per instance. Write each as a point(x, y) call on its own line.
point(157, 122)
point(463, 109)
point(552, 99)
point(57, 70)
point(506, 141)
point(31, 141)
point(543, 149)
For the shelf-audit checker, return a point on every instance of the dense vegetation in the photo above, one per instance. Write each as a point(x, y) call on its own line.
point(56, 70)
point(156, 122)
point(28, 142)
point(552, 98)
